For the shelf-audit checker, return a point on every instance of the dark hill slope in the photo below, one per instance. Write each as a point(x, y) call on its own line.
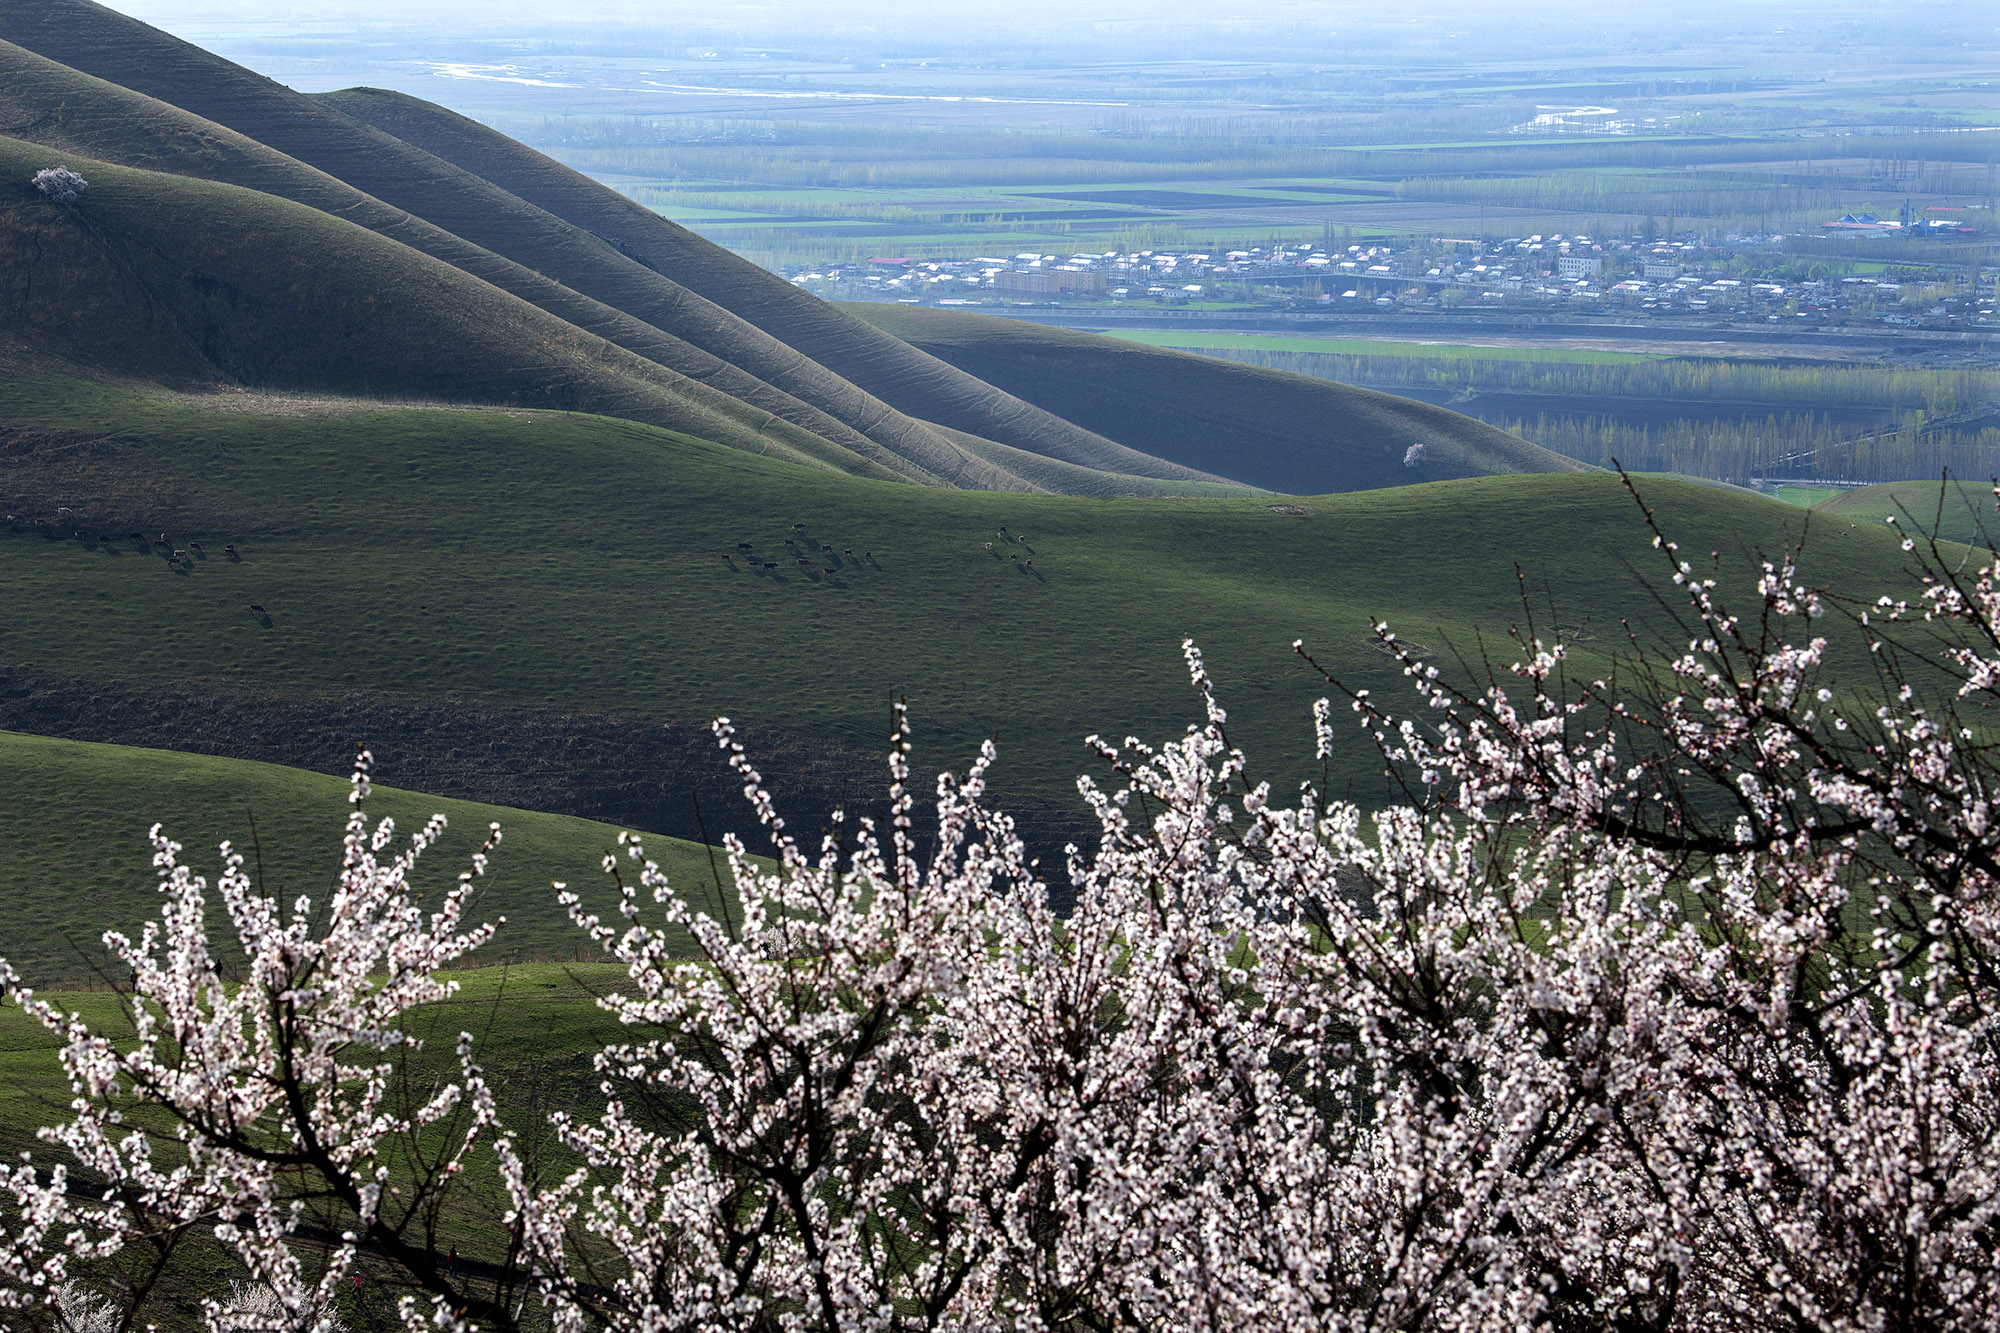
point(183, 281)
point(50, 104)
point(1269, 428)
point(890, 369)
point(98, 41)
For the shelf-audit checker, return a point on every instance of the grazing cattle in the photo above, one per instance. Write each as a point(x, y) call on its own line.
point(743, 546)
point(798, 527)
point(848, 552)
point(230, 550)
point(826, 548)
point(258, 609)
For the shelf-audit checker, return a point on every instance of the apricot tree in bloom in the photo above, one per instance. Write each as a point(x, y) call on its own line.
point(263, 1100)
point(1663, 1003)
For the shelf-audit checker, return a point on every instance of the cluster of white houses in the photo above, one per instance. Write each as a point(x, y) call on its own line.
point(1685, 274)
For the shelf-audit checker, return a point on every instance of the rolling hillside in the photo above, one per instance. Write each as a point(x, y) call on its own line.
point(1304, 435)
point(100, 42)
point(76, 114)
point(544, 609)
point(188, 281)
point(343, 419)
point(519, 221)
point(885, 366)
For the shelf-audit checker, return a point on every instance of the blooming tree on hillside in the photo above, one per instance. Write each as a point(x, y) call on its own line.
point(1664, 1003)
point(60, 184)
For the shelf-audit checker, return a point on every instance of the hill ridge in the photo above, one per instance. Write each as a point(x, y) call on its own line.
point(179, 279)
point(905, 377)
point(1309, 436)
point(51, 104)
point(121, 50)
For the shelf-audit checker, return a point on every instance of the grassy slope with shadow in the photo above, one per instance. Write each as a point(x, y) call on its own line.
point(60, 108)
point(1267, 428)
point(886, 367)
point(587, 568)
point(110, 46)
point(74, 854)
point(1963, 512)
point(188, 280)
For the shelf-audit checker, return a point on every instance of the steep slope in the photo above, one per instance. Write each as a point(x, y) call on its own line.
point(1269, 428)
point(100, 42)
point(52, 105)
point(185, 280)
point(888, 368)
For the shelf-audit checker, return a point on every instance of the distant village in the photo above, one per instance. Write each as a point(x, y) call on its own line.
point(1732, 277)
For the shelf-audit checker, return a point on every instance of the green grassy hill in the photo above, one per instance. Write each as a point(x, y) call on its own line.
point(514, 218)
point(108, 45)
point(75, 859)
point(1269, 428)
point(544, 609)
point(76, 114)
point(1960, 512)
point(190, 281)
point(884, 366)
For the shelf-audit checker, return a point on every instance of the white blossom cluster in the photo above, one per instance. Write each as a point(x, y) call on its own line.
point(1669, 1004)
point(260, 1085)
point(60, 184)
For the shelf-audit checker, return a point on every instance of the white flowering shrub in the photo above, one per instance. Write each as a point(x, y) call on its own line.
point(77, 1309)
point(1659, 1005)
point(262, 1090)
point(252, 1307)
point(60, 184)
